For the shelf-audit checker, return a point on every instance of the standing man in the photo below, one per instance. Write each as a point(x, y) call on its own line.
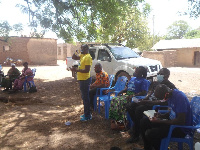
point(102, 81)
point(83, 75)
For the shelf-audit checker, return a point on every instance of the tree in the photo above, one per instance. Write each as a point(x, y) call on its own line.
point(194, 8)
point(192, 34)
point(18, 27)
point(5, 28)
point(132, 29)
point(177, 30)
point(77, 19)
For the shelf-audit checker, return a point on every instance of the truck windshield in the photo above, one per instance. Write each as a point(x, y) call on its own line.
point(123, 53)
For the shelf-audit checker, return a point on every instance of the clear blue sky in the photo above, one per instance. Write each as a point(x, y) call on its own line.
point(164, 12)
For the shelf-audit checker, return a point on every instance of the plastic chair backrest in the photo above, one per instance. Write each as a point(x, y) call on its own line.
point(111, 78)
point(34, 70)
point(121, 83)
point(195, 106)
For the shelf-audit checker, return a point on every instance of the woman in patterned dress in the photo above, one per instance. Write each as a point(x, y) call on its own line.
point(18, 83)
point(137, 86)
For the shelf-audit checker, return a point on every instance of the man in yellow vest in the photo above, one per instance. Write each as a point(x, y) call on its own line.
point(83, 75)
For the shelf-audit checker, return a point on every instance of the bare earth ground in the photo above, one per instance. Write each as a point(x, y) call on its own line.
point(37, 120)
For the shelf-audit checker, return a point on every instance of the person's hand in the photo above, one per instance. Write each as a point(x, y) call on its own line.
point(129, 98)
point(73, 69)
point(91, 86)
point(154, 119)
point(157, 115)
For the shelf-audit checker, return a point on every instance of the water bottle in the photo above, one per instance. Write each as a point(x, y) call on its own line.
point(197, 146)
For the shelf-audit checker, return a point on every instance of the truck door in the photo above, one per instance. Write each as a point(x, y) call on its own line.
point(105, 59)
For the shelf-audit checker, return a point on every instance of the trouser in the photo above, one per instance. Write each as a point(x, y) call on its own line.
point(92, 93)
point(152, 133)
point(84, 87)
point(136, 113)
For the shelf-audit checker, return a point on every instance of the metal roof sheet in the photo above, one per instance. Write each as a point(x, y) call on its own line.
point(177, 43)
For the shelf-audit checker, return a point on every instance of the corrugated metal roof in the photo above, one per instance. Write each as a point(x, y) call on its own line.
point(177, 43)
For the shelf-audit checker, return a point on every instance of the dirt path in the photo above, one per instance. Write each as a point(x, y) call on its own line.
point(37, 120)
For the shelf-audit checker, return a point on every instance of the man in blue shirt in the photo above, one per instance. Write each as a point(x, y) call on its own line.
point(154, 129)
point(135, 110)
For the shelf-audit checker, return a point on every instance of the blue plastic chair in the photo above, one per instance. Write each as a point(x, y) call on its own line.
point(29, 83)
point(195, 106)
point(111, 78)
point(119, 86)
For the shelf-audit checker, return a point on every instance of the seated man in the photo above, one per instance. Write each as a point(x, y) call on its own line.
point(136, 110)
point(102, 81)
point(13, 73)
point(154, 129)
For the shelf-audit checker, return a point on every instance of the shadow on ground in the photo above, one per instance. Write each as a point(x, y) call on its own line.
point(37, 120)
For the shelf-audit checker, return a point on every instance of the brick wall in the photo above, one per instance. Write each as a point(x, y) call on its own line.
point(42, 51)
point(167, 58)
point(32, 50)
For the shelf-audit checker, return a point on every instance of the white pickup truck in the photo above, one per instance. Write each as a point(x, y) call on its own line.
point(117, 60)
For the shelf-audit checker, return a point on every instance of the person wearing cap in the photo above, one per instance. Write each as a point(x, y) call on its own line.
point(18, 83)
point(83, 76)
point(13, 73)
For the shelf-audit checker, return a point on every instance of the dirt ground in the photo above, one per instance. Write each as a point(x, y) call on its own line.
point(37, 120)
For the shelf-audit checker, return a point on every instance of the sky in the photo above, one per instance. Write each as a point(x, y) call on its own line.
point(163, 14)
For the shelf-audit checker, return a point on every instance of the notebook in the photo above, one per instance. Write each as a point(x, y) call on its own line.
point(149, 113)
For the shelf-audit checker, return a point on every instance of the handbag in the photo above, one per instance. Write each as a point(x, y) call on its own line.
point(118, 125)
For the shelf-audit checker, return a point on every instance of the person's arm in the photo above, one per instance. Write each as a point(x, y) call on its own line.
point(123, 91)
point(147, 97)
point(155, 102)
point(75, 57)
point(9, 72)
point(28, 72)
point(141, 93)
point(85, 70)
point(179, 120)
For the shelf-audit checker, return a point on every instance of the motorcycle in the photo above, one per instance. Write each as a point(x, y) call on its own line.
point(9, 61)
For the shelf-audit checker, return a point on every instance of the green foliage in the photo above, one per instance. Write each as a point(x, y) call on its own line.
point(37, 34)
point(192, 34)
point(78, 19)
point(177, 30)
point(132, 29)
point(194, 8)
point(18, 27)
point(5, 28)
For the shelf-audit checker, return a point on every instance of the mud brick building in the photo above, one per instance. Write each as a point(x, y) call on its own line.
point(176, 53)
point(33, 50)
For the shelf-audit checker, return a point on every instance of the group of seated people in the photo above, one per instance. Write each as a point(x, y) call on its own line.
point(14, 76)
point(162, 92)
